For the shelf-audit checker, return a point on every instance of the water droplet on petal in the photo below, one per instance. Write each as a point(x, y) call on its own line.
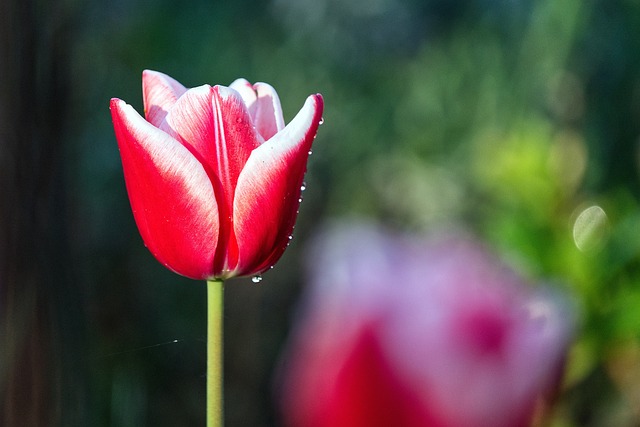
point(310, 152)
point(321, 120)
point(303, 186)
point(300, 200)
point(256, 279)
point(290, 237)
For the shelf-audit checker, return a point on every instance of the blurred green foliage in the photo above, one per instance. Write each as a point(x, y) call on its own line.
point(503, 118)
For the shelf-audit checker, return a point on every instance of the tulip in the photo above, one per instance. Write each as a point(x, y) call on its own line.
point(411, 332)
point(213, 175)
point(214, 178)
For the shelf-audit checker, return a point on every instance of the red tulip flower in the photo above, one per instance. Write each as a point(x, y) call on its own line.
point(415, 333)
point(213, 175)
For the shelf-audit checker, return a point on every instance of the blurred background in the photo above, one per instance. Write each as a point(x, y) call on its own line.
point(516, 120)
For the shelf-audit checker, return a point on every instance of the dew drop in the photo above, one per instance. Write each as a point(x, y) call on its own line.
point(290, 237)
point(256, 279)
point(303, 186)
point(300, 200)
point(321, 120)
point(310, 152)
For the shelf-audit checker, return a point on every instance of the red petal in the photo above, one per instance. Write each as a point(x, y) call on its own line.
point(159, 93)
point(171, 195)
point(268, 191)
point(349, 384)
point(213, 123)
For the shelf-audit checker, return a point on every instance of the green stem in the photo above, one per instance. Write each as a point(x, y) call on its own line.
point(215, 294)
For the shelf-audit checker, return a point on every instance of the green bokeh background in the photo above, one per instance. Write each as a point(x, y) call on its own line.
point(505, 118)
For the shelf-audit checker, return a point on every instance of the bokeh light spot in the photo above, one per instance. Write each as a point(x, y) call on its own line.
point(590, 229)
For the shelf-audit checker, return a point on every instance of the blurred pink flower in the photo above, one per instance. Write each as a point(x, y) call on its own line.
point(407, 332)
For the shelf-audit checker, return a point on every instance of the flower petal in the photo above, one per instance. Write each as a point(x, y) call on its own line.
point(267, 196)
point(213, 123)
point(245, 89)
point(264, 106)
point(268, 111)
point(159, 93)
point(171, 196)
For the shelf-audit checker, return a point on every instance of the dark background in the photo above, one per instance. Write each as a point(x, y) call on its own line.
point(507, 118)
